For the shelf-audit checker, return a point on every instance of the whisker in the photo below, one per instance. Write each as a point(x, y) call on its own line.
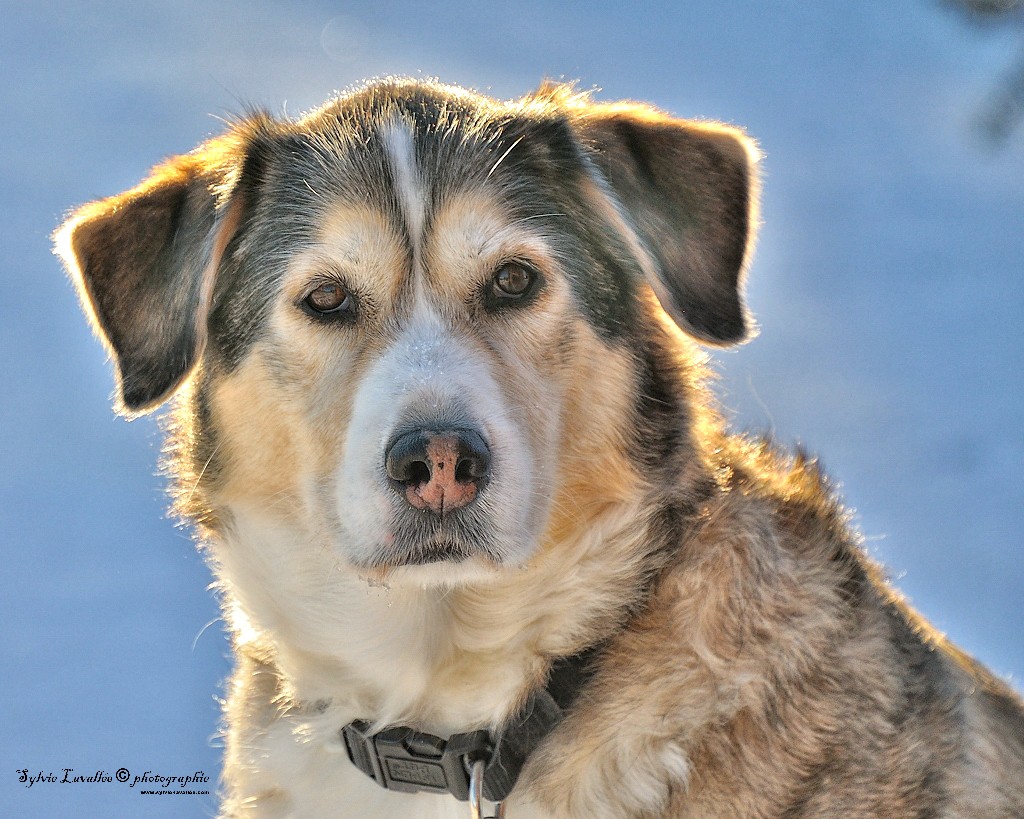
point(501, 158)
point(202, 472)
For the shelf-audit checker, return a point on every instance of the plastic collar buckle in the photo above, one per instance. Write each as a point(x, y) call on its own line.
point(400, 759)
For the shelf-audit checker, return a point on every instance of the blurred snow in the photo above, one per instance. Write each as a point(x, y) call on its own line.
point(888, 286)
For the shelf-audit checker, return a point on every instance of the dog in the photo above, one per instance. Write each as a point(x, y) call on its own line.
point(442, 422)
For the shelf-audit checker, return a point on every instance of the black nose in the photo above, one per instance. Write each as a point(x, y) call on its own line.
point(438, 470)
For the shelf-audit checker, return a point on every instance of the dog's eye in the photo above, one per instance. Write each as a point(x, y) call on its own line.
point(512, 281)
point(329, 298)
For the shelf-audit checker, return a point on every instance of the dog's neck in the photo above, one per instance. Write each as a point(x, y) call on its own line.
point(444, 659)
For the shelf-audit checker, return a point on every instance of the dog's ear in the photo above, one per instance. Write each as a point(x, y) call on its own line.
point(690, 191)
point(144, 263)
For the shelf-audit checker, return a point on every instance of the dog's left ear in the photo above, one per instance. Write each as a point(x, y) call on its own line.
point(144, 264)
point(690, 190)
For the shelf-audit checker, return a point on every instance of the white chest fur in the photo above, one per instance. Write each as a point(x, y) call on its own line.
point(348, 650)
point(443, 661)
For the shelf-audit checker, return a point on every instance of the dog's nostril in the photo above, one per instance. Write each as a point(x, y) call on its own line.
point(465, 470)
point(417, 472)
point(406, 460)
point(474, 459)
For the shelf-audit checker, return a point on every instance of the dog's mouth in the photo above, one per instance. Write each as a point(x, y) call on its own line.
point(417, 539)
point(432, 563)
point(434, 552)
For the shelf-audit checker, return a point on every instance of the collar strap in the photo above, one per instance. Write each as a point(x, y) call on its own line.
point(402, 759)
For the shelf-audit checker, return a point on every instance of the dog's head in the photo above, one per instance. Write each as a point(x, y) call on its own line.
point(409, 321)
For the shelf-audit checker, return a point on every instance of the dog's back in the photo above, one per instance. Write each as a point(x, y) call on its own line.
point(838, 700)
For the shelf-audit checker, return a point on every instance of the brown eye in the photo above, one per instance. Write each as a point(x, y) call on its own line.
point(512, 281)
point(329, 297)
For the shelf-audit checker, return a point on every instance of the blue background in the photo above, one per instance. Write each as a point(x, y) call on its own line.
point(888, 285)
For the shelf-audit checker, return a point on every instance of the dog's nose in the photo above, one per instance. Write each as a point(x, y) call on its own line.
point(438, 470)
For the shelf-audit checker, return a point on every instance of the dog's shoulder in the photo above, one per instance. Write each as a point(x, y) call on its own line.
point(774, 669)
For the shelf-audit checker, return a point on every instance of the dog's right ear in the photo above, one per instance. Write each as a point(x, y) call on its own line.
point(144, 263)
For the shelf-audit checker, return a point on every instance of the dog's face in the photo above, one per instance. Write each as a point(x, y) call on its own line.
point(412, 318)
point(417, 339)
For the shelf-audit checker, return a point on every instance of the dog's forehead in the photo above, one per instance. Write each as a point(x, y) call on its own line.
point(408, 149)
point(414, 178)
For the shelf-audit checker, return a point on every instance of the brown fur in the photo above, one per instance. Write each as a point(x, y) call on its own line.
point(753, 662)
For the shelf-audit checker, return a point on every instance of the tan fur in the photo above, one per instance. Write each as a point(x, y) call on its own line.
point(752, 660)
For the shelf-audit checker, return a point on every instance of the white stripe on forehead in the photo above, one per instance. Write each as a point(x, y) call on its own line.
point(401, 156)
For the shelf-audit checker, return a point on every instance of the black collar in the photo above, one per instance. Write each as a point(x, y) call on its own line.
point(402, 759)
